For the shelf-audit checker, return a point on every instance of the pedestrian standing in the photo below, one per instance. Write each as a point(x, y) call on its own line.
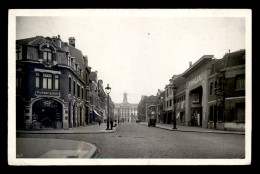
point(111, 124)
point(99, 122)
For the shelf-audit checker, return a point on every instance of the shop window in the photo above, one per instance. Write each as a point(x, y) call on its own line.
point(211, 113)
point(240, 112)
point(240, 82)
point(56, 81)
point(37, 85)
point(220, 113)
point(47, 55)
point(47, 81)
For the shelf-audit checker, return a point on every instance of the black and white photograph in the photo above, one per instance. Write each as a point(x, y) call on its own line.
point(129, 87)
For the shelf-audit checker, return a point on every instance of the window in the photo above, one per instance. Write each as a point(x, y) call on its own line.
point(76, 67)
point(69, 84)
point(211, 113)
point(240, 82)
point(69, 60)
point(211, 88)
point(80, 72)
point(18, 82)
point(170, 102)
point(37, 80)
point(216, 84)
point(220, 113)
point(74, 86)
point(19, 53)
point(78, 91)
point(82, 93)
point(47, 81)
point(57, 81)
point(47, 55)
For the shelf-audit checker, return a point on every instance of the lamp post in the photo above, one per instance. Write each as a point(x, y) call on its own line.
point(108, 90)
point(174, 108)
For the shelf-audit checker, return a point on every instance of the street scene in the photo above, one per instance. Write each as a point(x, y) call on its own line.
point(137, 140)
point(106, 85)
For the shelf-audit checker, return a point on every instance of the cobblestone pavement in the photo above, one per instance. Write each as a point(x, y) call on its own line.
point(132, 140)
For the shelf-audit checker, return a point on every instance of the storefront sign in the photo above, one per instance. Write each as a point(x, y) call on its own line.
point(196, 79)
point(53, 93)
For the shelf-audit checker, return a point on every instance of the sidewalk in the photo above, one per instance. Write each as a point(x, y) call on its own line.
point(53, 148)
point(79, 130)
point(192, 129)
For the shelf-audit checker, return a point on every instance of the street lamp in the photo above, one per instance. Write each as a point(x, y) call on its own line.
point(108, 90)
point(174, 108)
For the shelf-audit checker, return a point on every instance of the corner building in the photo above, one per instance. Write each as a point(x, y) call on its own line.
point(50, 84)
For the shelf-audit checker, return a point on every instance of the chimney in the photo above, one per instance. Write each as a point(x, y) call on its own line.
point(190, 64)
point(57, 41)
point(72, 41)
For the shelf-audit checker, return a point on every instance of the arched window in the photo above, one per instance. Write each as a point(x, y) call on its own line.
point(47, 55)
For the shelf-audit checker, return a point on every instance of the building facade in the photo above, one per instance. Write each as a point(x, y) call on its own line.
point(97, 99)
point(125, 111)
point(143, 107)
point(227, 92)
point(50, 84)
point(196, 97)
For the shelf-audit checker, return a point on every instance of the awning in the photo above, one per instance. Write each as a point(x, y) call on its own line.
point(97, 113)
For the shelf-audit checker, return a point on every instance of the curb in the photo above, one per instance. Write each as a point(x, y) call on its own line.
point(234, 133)
point(92, 151)
point(94, 132)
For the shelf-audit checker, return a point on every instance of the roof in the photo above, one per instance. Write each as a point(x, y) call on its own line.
point(74, 52)
point(204, 59)
point(230, 59)
point(32, 40)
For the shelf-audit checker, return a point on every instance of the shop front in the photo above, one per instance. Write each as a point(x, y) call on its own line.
point(48, 113)
point(196, 98)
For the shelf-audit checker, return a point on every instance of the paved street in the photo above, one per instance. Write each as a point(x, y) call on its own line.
point(133, 140)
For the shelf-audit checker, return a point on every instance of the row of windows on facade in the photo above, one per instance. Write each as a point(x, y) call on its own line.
point(48, 57)
point(79, 94)
point(239, 84)
point(97, 102)
point(179, 99)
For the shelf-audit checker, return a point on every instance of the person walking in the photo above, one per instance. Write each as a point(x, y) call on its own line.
point(99, 122)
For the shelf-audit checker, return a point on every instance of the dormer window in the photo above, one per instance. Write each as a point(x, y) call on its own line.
point(80, 72)
point(47, 55)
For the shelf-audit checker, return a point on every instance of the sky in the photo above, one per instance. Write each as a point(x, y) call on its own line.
point(139, 54)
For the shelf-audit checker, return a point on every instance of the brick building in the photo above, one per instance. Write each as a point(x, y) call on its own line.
point(227, 92)
point(50, 84)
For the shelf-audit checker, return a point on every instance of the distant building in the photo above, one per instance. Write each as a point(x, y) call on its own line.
point(143, 107)
point(125, 111)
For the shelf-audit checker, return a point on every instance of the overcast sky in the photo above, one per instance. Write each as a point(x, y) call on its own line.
point(139, 54)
